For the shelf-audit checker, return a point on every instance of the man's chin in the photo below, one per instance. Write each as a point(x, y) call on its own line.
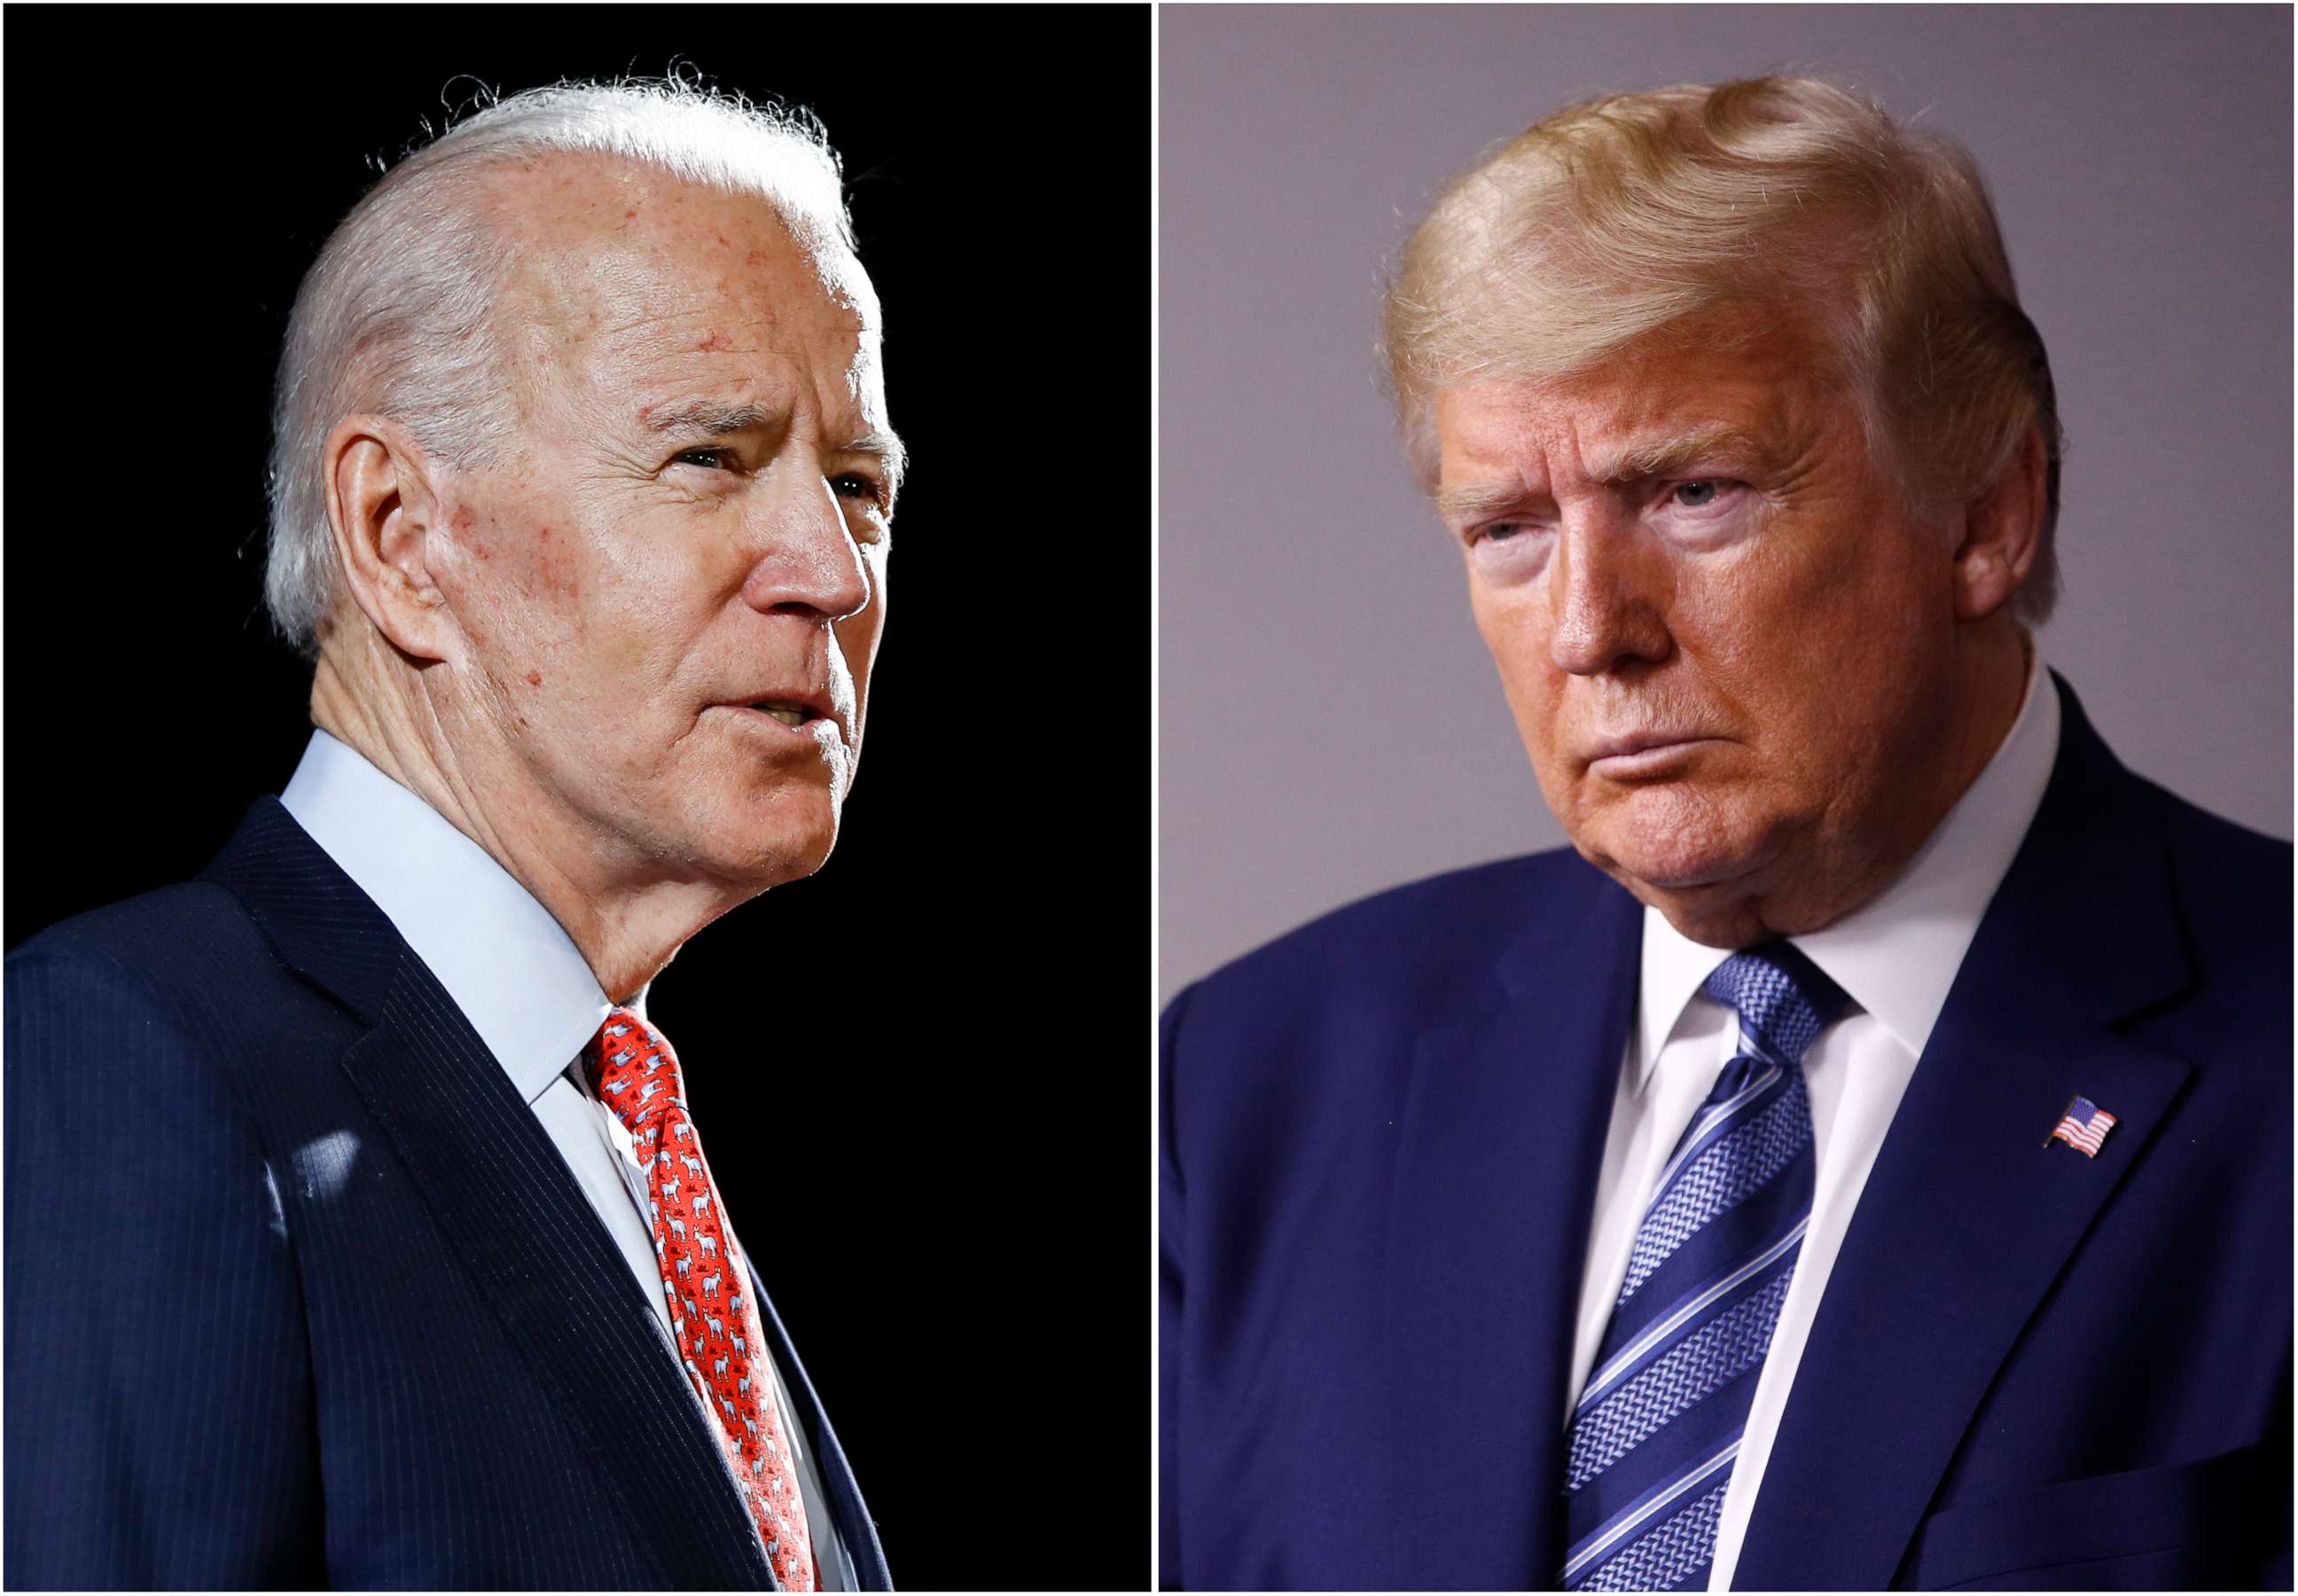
point(1704, 882)
point(1685, 849)
point(785, 842)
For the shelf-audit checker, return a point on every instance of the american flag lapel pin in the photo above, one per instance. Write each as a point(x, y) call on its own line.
point(2082, 1125)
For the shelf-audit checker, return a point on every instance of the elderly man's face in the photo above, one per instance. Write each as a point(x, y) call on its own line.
point(695, 530)
point(1728, 645)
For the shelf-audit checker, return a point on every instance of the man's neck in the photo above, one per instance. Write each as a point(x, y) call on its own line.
point(625, 933)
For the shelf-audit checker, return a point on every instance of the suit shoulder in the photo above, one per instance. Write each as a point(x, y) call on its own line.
point(172, 941)
point(2233, 893)
point(1421, 939)
point(139, 1005)
point(2215, 842)
point(182, 972)
point(2230, 879)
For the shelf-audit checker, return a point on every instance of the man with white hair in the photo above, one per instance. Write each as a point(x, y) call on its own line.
point(359, 1233)
point(1862, 1158)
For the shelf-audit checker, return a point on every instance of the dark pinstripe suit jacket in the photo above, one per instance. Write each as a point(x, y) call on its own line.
point(299, 1293)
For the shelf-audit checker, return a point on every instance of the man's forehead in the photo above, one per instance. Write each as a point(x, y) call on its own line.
point(649, 292)
point(1756, 363)
point(607, 245)
point(1627, 420)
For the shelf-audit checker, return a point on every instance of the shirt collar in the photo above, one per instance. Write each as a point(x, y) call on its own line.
point(511, 968)
point(1896, 953)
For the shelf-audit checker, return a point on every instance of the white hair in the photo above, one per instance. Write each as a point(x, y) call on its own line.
point(396, 317)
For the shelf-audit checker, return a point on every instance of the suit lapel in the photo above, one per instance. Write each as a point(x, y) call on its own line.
point(1502, 1138)
point(1971, 1214)
point(508, 1205)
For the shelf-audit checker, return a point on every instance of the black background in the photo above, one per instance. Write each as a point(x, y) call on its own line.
point(937, 1032)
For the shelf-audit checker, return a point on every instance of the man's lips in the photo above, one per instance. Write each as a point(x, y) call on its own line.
point(1629, 753)
point(801, 712)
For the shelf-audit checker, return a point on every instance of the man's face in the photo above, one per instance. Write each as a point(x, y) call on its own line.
point(1727, 644)
point(694, 525)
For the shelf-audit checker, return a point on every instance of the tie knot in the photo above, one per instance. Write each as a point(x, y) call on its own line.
point(1783, 999)
point(632, 1069)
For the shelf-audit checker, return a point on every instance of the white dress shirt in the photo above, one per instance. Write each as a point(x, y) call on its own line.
point(526, 988)
point(1896, 956)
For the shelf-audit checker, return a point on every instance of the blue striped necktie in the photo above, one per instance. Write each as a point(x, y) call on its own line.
point(1660, 1418)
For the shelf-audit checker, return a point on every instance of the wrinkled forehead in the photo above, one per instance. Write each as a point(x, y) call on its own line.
point(1763, 366)
point(1754, 398)
point(620, 271)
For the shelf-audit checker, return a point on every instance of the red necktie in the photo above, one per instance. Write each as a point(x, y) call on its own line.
point(712, 1316)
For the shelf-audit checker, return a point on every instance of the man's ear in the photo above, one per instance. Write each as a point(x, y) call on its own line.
point(382, 509)
point(2002, 532)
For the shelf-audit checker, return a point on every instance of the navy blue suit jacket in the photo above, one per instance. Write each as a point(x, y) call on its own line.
point(2031, 1369)
point(299, 1291)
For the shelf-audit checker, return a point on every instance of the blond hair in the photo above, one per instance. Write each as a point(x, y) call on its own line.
point(1613, 219)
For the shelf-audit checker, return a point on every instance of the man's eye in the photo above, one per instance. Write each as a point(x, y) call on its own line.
point(711, 458)
point(1699, 494)
point(854, 484)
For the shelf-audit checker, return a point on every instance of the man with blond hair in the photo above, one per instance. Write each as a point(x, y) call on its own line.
point(1862, 1158)
point(360, 1233)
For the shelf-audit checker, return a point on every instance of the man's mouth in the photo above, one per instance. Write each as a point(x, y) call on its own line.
point(804, 711)
point(1633, 755)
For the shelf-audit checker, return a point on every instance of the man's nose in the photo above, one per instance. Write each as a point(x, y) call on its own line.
point(1607, 598)
point(809, 559)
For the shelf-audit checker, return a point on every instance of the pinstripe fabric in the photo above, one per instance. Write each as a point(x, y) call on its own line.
point(383, 1361)
point(196, 1246)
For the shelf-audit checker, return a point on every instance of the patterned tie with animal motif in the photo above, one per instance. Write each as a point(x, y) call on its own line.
point(712, 1318)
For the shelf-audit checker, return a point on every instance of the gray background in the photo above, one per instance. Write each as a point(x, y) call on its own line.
point(1329, 722)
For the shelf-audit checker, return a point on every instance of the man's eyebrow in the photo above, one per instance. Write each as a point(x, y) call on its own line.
point(1677, 452)
point(1707, 442)
point(890, 449)
point(716, 417)
point(1463, 500)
